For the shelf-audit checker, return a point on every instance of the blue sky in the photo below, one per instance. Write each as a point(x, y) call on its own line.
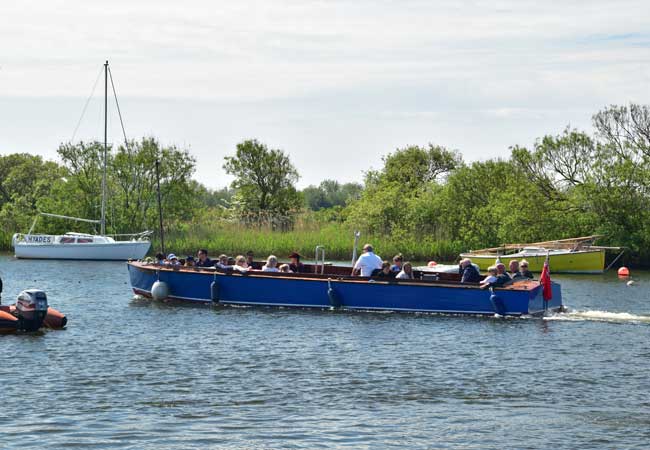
point(336, 84)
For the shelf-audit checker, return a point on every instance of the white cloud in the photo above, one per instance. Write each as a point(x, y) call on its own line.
point(322, 79)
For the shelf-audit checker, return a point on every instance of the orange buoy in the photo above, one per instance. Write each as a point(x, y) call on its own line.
point(623, 272)
point(55, 319)
point(432, 264)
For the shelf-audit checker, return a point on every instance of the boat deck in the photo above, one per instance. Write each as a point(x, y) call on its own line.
point(341, 274)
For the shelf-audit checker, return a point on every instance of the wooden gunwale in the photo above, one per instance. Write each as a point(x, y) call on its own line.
point(528, 285)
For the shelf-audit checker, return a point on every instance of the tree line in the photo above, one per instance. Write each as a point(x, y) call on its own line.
point(568, 184)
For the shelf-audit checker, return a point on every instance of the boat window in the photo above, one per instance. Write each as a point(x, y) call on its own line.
point(84, 240)
point(67, 240)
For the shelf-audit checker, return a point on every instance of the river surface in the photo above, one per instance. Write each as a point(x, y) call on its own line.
point(137, 374)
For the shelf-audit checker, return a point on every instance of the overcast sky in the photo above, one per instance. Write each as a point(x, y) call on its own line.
point(336, 84)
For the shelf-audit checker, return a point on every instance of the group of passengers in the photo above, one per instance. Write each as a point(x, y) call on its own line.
point(239, 263)
point(367, 265)
point(498, 276)
point(371, 265)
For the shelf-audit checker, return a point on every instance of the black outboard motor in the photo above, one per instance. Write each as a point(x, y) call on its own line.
point(31, 309)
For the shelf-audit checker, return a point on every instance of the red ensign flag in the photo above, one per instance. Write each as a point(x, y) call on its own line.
point(545, 281)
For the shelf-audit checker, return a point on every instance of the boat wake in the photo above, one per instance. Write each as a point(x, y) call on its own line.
point(600, 316)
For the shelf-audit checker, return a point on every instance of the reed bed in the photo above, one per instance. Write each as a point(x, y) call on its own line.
point(337, 239)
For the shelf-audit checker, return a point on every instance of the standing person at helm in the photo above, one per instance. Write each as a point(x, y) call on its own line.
point(367, 263)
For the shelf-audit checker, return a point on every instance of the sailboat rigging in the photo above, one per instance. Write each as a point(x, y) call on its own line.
point(85, 246)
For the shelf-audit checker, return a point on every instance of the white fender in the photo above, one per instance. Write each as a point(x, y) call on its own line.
point(159, 290)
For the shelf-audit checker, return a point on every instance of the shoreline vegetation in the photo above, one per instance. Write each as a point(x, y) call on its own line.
point(337, 239)
point(425, 202)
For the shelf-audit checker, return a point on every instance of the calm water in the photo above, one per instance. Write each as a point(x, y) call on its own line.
point(136, 374)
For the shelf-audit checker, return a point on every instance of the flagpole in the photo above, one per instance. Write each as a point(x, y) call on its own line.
point(548, 270)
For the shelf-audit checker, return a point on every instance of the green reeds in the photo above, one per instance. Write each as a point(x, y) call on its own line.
point(233, 239)
point(221, 236)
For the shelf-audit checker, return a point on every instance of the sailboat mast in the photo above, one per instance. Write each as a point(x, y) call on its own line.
point(103, 219)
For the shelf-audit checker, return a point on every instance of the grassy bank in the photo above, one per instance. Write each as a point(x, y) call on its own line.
point(337, 240)
point(233, 239)
point(5, 241)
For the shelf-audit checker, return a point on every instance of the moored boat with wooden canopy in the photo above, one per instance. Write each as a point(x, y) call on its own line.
point(573, 255)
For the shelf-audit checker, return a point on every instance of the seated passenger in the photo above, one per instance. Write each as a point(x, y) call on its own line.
point(367, 262)
point(231, 261)
point(406, 273)
point(160, 258)
point(172, 260)
point(523, 268)
point(250, 260)
point(385, 271)
point(222, 263)
point(284, 268)
point(491, 278)
point(513, 268)
point(189, 261)
point(295, 265)
point(271, 264)
point(502, 276)
point(397, 263)
point(240, 264)
point(469, 272)
point(203, 260)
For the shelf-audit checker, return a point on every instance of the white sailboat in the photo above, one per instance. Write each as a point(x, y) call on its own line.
point(84, 246)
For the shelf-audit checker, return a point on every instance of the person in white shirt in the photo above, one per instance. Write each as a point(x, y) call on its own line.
point(367, 262)
point(271, 264)
point(490, 279)
point(406, 273)
point(240, 264)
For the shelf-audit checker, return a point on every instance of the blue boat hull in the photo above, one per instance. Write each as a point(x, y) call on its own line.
point(361, 294)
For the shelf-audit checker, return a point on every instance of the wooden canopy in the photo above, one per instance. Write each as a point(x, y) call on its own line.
point(578, 243)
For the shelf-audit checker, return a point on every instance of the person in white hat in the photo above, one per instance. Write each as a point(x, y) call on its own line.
point(172, 260)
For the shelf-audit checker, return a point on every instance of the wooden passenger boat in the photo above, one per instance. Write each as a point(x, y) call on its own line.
point(575, 255)
point(329, 286)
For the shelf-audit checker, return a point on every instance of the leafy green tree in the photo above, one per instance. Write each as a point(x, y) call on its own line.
point(414, 166)
point(131, 185)
point(214, 198)
point(408, 173)
point(600, 183)
point(264, 180)
point(25, 181)
point(330, 193)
